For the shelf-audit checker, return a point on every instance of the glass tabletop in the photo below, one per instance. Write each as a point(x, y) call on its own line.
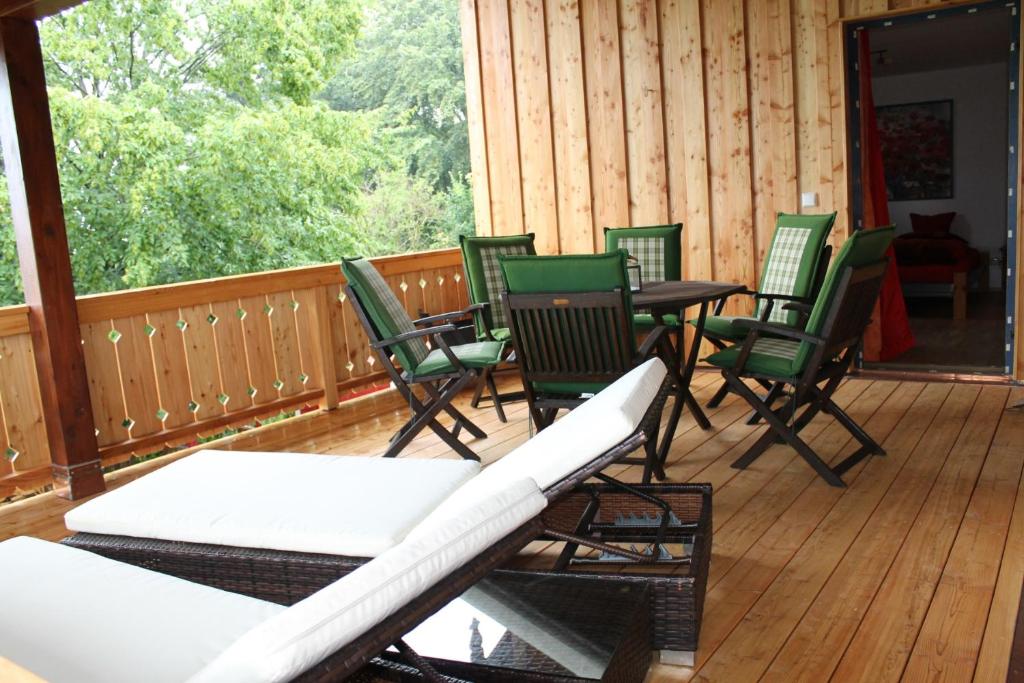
point(558, 625)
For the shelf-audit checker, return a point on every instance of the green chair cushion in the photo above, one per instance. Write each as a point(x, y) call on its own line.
point(788, 358)
point(646, 321)
point(569, 388)
point(792, 260)
point(657, 248)
point(384, 309)
point(474, 355)
point(483, 274)
point(774, 357)
point(724, 327)
point(570, 274)
point(502, 334)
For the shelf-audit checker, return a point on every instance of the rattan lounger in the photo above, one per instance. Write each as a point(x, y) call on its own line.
point(71, 615)
point(285, 574)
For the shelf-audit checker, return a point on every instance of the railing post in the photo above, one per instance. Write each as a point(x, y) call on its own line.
point(38, 217)
point(323, 347)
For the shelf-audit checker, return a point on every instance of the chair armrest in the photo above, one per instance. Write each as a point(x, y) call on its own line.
point(763, 328)
point(406, 336)
point(784, 297)
point(452, 315)
point(796, 306)
point(653, 339)
point(720, 305)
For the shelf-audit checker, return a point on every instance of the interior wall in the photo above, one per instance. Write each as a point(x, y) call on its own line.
point(979, 149)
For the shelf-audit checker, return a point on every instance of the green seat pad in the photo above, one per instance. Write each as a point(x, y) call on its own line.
point(724, 326)
point(773, 357)
point(475, 355)
point(646, 320)
point(502, 334)
point(570, 388)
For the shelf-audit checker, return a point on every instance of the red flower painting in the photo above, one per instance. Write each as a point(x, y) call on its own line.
point(917, 149)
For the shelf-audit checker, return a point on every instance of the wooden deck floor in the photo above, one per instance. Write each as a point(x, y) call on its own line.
point(912, 572)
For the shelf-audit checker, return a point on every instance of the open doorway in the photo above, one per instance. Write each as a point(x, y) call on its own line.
point(944, 88)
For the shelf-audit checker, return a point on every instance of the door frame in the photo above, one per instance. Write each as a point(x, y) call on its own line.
point(850, 30)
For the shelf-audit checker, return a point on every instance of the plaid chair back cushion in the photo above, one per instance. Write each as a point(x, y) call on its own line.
point(493, 280)
point(785, 258)
point(386, 311)
point(649, 253)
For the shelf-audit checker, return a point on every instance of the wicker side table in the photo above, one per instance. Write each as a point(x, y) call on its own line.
point(676, 588)
point(523, 627)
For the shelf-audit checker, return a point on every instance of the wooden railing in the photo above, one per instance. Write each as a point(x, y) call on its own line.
point(172, 363)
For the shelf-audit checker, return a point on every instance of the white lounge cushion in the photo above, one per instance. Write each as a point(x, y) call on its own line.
point(69, 615)
point(307, 632)
point(570, 443)
point(284, 501)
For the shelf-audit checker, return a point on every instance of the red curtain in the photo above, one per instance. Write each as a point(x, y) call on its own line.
point(889, 334)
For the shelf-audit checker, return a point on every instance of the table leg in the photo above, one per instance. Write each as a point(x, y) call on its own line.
point(691, 364)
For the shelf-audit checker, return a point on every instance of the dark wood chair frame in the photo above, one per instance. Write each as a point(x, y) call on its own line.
point(439, 389)
point(496, 398)
point(834, 352)
point(551, 347)
point(774, 390)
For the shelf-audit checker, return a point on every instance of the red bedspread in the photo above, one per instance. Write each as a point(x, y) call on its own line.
point(933, 259)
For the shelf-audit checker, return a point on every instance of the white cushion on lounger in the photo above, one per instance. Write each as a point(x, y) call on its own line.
point(70, 615)
point(570, 443)
point(309, 631)
point(284, 501)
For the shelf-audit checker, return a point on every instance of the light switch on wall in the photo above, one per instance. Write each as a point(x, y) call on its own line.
point(808, 199)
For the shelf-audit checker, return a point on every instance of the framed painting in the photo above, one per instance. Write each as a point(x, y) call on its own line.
point(917, 149)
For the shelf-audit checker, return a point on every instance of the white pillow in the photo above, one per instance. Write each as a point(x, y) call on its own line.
point(570, 443)
point(309, 631)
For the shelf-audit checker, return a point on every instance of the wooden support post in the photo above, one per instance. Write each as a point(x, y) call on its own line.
point(323, 347)
point(38, 216)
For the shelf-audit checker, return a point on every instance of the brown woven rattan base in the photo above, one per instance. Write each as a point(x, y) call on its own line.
point(677, 589)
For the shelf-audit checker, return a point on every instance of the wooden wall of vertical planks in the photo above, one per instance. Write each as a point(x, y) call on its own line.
point(715, 113)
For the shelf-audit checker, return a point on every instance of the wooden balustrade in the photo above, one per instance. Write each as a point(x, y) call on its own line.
point(172, 363)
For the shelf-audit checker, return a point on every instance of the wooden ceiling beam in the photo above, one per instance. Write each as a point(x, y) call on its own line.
point(35, 9)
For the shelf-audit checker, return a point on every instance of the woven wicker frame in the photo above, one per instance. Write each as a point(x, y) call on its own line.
point(677, 590)
point(286, 577)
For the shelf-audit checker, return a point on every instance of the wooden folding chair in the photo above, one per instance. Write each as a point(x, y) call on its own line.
point(441, 372)
point(572, 330)
point(484, 282)
point(793, 271)
point(814, 360)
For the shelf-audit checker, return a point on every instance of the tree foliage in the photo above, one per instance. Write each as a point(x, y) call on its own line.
point(408, 66)
point(197, 140)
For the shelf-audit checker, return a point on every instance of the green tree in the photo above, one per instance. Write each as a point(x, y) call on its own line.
point(408, 65)
point(192, 141)
point(248, 50)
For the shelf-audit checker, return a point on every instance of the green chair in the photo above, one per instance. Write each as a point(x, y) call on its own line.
point(572, 330)
point(820, 353)
point(484, 282)
point(442, 372)
point(658, 251)
point(793, 271)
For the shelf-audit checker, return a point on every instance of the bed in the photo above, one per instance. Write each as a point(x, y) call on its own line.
point(934, 262)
